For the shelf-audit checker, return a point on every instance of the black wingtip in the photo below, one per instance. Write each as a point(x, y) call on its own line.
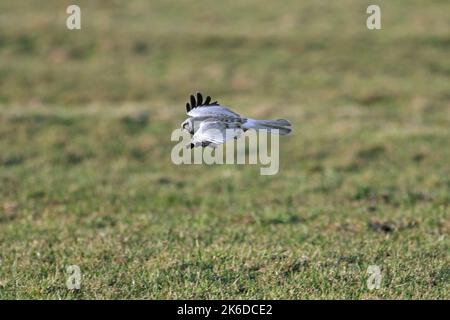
point(199, 99)
point(193, 102)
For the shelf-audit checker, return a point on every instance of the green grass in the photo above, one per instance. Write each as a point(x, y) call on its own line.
point(86, 177)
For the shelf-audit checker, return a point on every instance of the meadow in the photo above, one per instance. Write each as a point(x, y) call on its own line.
point(86, 177)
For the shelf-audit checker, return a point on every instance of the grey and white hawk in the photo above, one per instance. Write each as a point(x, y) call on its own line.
point(211, 124)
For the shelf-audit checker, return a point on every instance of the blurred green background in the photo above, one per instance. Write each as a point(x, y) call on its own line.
point(85, 170)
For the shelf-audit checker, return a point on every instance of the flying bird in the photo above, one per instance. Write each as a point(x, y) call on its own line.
point(211, 124)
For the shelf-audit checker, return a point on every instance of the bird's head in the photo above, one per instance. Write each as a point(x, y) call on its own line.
point(188, 126)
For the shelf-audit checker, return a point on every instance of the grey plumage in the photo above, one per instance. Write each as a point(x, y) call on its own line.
point(209, 121)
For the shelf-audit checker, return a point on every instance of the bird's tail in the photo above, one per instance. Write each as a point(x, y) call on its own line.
point(269, 125)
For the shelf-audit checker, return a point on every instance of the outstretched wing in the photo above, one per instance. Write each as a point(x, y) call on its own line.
point(199, 108)
point(217, 132)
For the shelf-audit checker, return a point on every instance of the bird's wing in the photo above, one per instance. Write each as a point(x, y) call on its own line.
point(199, 108)
point(215, 131)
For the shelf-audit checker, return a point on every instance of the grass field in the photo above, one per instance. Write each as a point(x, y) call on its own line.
point(86, 177)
